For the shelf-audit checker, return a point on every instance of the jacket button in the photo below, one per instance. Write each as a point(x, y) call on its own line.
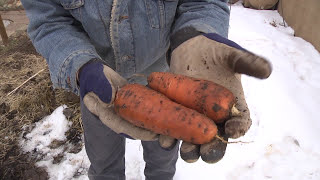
point(68, 81)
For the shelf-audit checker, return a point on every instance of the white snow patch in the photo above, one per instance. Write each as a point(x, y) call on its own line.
point(73, 166)
point(6, 22)
point(48, 129)
point(37, 142)
point(134, 160)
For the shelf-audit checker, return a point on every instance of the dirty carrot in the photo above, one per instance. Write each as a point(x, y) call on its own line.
point(206, 97)
point(149, 109)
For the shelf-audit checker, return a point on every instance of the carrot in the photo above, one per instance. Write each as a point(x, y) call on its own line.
point(151, 110)
point(204, 96)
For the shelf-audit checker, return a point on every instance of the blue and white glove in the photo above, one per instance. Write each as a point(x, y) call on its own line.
point(98, 87)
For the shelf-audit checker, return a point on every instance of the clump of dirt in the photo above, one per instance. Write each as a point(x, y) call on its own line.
point(27, 105)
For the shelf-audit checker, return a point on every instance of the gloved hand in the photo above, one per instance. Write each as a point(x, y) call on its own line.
point(220, 60)
point(98, 87)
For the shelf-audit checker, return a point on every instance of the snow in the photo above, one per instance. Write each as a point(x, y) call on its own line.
point(6, 22)
point(285, 127)
point(38, 141)
point(72, 165)
point(50, 128)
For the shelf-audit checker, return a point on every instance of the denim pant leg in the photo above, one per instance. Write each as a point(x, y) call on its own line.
point(104, 147)
point(160, 163)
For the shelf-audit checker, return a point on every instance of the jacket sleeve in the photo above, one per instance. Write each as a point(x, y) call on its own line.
point(194, 17)
point(60, 39)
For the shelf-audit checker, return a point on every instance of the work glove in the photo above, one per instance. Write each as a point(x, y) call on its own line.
point(215, 58)
point(98, 87)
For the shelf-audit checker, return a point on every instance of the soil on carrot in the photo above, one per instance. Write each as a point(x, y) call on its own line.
point(29, 104)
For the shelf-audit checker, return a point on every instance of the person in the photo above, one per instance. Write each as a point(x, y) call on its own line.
point(95, 47)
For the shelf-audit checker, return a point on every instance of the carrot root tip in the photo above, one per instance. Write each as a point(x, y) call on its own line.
point(234, 142)
point(234, 111)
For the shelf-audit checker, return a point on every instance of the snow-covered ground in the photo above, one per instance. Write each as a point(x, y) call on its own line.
point(284, 110)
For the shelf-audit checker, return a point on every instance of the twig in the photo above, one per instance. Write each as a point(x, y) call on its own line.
point(24, 82)
point(80, 122)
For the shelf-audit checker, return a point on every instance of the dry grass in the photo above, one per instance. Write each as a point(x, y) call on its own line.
point(29, 104)
point(6, 5)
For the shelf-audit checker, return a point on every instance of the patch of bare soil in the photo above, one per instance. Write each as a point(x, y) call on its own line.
point(27, 105)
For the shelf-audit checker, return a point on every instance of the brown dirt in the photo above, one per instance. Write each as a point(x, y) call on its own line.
point(29, 104)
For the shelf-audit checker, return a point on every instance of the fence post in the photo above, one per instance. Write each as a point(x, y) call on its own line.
point(3, 32)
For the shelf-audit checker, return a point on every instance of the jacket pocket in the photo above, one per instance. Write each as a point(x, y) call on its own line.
point(155, 13)
point(74, 7)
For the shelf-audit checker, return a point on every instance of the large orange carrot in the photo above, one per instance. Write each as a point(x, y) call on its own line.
point(149, 109)
point(206, 97)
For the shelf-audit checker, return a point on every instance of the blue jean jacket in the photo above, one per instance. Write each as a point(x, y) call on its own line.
point(130, 36)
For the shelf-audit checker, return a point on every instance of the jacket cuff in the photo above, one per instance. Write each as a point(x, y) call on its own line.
point(180, 37)
point(183, 35)
point(67, 78)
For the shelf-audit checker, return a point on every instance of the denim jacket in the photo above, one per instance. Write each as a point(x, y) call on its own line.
point(130, 36)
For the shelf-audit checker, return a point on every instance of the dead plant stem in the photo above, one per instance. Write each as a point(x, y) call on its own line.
point(24, 82)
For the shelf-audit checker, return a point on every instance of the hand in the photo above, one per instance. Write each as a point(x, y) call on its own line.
point(98, 87)
point(220, 60)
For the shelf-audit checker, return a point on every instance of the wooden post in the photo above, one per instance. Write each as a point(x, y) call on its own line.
point(3, 32)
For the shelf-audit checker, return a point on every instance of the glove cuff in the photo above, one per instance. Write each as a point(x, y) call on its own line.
point(81, 68)
point(93, 79)
point(183, 35)
point(180, 37)
point(94, 60)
